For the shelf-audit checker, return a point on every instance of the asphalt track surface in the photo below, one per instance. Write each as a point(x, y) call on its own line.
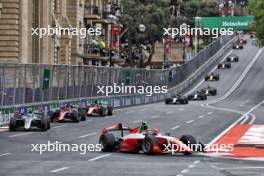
point(196, 118)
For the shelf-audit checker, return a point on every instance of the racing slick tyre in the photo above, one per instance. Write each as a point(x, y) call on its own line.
point(186, 101)
point(76, 117)
point(102, 112)
point(148, 143)
point(204, 97)
point(215, 92)
point(108, 142)
point(167, 101)
point(44, 124)
point(12, 125)
point(53, 115)
point(109, 110)
point(188, 140)
point(82, 114)
point(48, 123)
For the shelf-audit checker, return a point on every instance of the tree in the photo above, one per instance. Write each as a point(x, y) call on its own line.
point(256, 8)
point(154, 15)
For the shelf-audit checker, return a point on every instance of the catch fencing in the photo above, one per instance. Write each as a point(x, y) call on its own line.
point(35, 83)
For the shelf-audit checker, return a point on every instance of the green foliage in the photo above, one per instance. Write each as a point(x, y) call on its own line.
point(155, 15)
point(152, 13)
point(193, 8)
point(256, 7)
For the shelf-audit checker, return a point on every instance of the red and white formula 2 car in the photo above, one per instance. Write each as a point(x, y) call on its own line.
point(67, 113)
point(149, 141)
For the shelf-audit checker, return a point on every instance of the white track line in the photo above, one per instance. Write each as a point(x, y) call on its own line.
point(155, 116)
point(137, 121)
point(59, 169)
point(235, 123)
point(229, 92)
point(190, 121)
point(4, 154)
point(184, 171)
point(99, 157)
point(87, 135)
point(240, 79)
point(59, 126)
point(20, 134)
point(239, 168)
point(174, 128)
point(201, 116)
point(214, 68)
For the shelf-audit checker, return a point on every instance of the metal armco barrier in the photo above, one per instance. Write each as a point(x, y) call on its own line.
point(28, 86)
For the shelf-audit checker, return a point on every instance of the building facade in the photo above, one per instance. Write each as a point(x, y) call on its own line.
point(18, 44)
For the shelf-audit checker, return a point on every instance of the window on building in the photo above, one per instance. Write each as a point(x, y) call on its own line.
point(1, 6)
point(56, 6)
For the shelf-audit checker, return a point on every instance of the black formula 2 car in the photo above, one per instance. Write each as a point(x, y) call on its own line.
point(176, 99)
point(67, 113)
point(212, 77)
point(209, 91)
point(29, 121)
point(224, 65)
point(198, 95)
point(232, 58)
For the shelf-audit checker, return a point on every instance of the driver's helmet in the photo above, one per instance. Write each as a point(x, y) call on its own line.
point(68, 105)
point(143, 126)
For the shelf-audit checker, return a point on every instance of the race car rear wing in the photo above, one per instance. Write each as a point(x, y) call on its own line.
point(117, 127)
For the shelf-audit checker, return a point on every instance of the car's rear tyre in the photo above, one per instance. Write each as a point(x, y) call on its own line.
point(44, 124)
point(109, 110)
point(12, 124)
point(53, 116)
point(102, 112)
point(108, 142)
point(48, 122)
point(215, 92)
point(167, 101)
point(188, 140)
point(148, 143)
point(82, 114)
point(76, 117)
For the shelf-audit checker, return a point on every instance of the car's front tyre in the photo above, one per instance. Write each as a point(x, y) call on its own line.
point(12, 124)
point(148, 144)
point(107, 141)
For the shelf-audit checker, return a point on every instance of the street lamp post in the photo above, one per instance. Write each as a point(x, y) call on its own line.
point(141, 29)
point(110, 49)
point(184, 26)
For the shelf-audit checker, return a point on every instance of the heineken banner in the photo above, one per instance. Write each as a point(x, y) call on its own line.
point(235, 22)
